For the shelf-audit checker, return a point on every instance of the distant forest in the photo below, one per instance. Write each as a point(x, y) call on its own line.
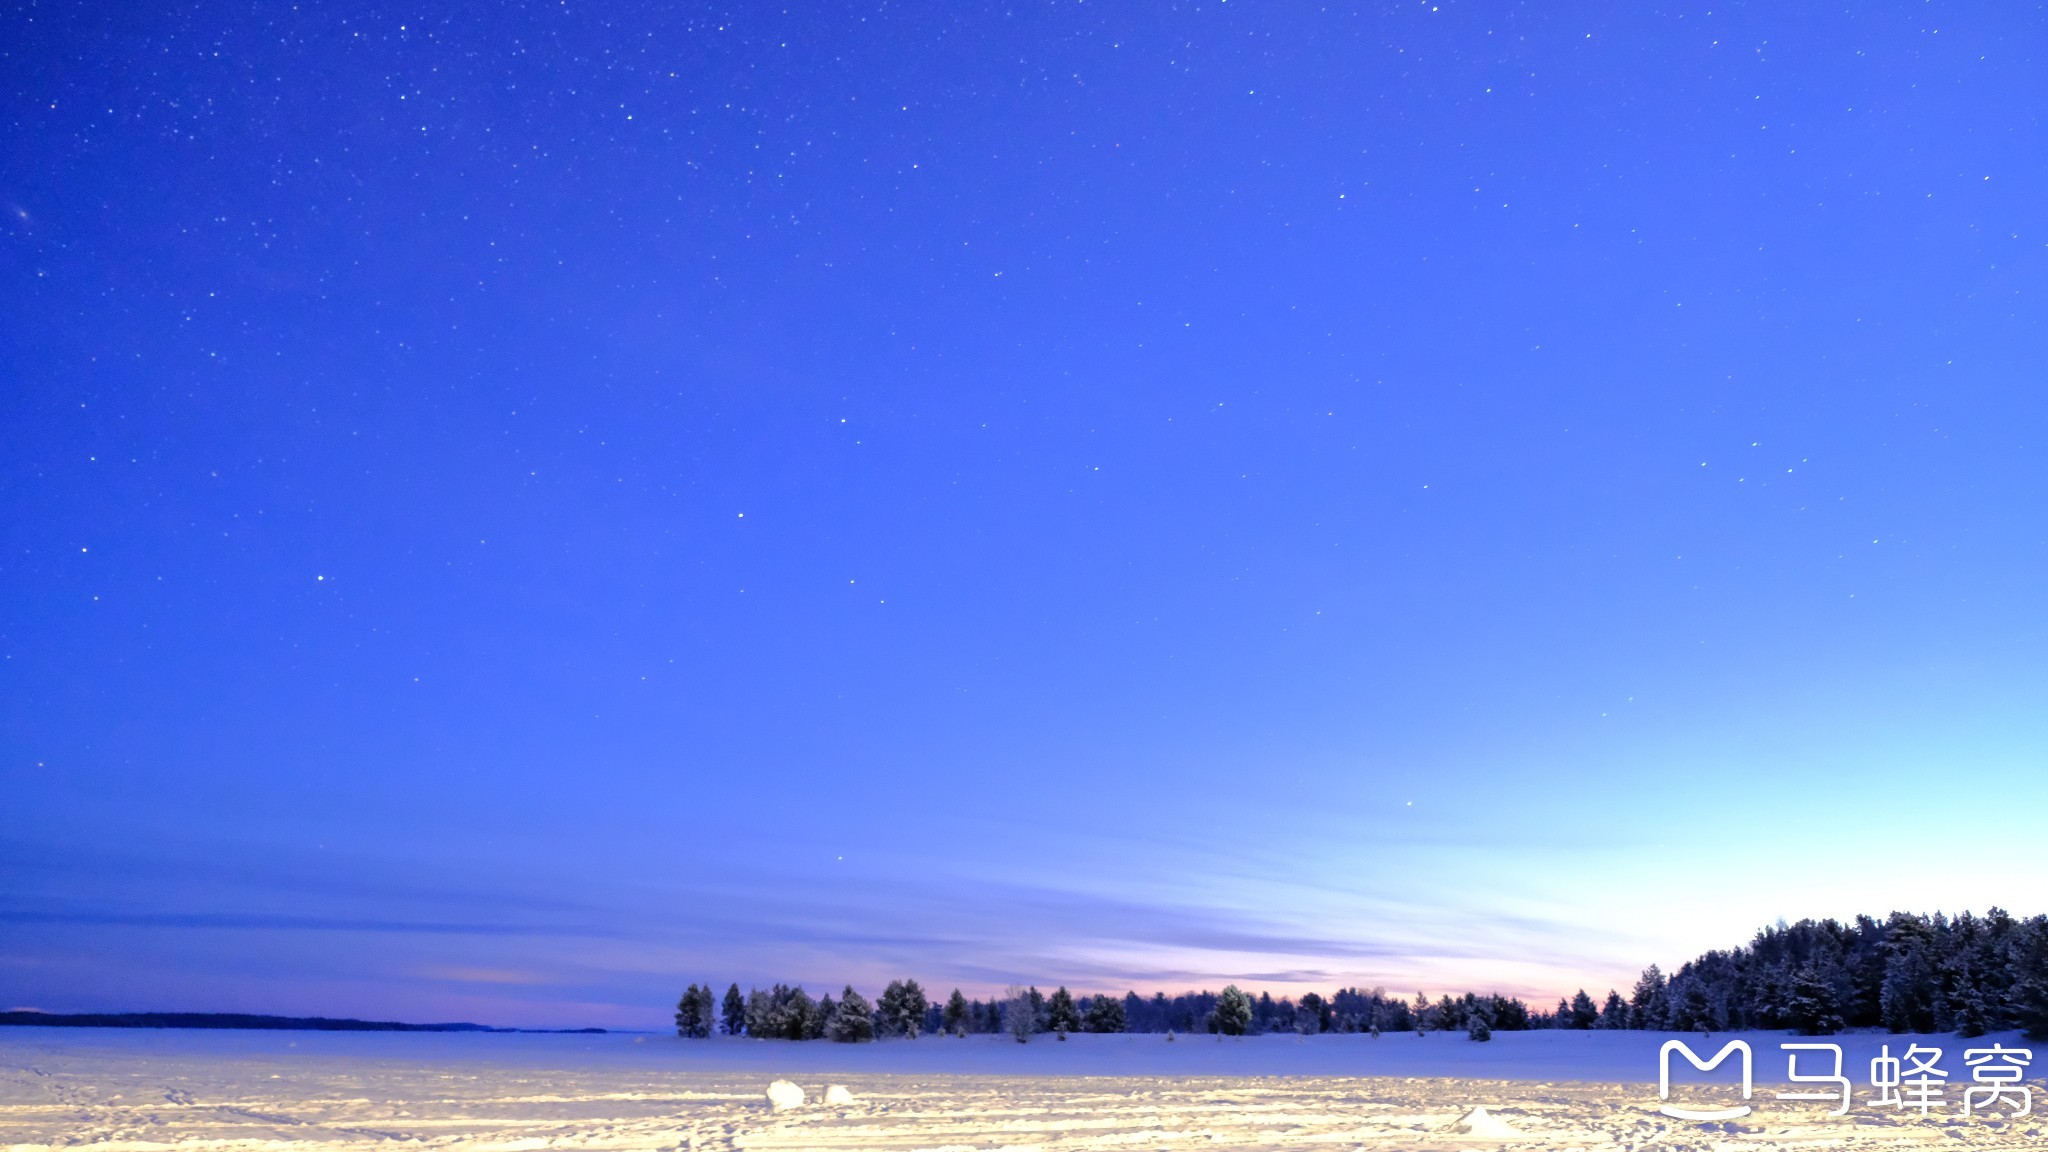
point(238, 1020)
point(1907, 973)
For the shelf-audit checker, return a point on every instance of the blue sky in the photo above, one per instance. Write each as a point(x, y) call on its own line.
point(503, 515)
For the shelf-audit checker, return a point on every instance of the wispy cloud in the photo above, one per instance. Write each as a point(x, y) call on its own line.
point(270, 922)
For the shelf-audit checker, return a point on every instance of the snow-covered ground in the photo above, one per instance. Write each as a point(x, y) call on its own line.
point(312, 1092)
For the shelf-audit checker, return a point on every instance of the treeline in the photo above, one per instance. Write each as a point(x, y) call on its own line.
point(1907, 973)
point(789, 1013)
point(784, 1012)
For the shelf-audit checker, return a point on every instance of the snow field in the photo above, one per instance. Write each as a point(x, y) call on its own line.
point(285, 1092)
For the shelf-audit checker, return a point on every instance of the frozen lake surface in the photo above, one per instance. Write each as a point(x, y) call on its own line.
point(311, 1092)
point(1611, 1057)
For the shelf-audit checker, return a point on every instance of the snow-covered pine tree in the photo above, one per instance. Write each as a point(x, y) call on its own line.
point(1020, 1014)
point(2029, 949)
point(1812, 1007)
point(1233, 1012)
point(1106, 1013)
point(854, 1022)
point(1061, 1014)
point(1693, 1007)
point(786, 1013)
point(901, 1008)
point(1903, 994)
point(1971, 1016)
point(955, 1018)
point(761, 1019)
point(1944, 1012)
point(1479, 1020)
point(783, 1013)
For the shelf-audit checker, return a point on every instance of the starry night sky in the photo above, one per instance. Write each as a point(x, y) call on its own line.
point(503, 514)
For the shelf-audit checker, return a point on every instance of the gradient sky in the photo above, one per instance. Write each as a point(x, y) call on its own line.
point(505, 514)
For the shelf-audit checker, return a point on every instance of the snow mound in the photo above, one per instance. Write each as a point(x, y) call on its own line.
point(783, 1094)
point(837, 1094)
point(1479, 1122)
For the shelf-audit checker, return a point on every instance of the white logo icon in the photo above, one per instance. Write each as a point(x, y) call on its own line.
point(1664, 1079)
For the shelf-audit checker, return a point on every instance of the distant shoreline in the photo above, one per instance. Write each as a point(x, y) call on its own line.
point(242, 1020)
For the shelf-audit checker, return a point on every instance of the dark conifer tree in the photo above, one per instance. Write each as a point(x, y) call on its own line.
point(802, 1017)
point(955, 1019)
point(1614, 1013)
point(1648, 1007)
point(694, 1012)
point(1061, 1014)
point(1944, 1011)
point(1106, 1014)
point(810, 1014)
point(1693, 1010)
point(1583, 1013)
point(1906, 993)
point(1265, 1013)
point(734, 1011)
point(1812, 1008)
point(2030, 978)
point(1971, 1014)
point(1233, 1012)
point(1311, 1015)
